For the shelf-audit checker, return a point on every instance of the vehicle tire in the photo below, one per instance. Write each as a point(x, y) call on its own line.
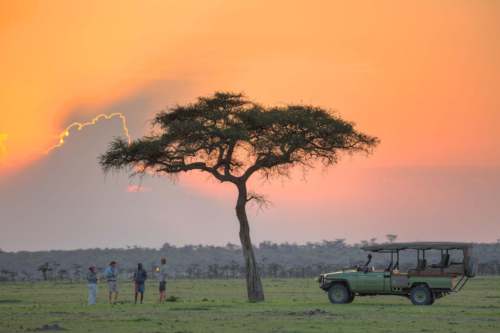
point(421, 295)
point(351, 297)
point(339, 294)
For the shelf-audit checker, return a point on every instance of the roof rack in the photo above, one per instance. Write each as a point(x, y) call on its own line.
point(391, 247)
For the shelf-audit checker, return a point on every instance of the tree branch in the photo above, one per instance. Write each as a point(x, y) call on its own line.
point(260, 200)
point(169, 168)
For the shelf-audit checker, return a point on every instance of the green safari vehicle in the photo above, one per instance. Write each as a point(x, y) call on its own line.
point(422, 284)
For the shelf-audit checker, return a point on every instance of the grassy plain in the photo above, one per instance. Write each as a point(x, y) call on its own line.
point(292, 305)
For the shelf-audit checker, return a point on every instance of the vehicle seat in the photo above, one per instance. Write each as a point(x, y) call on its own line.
point(421, 265)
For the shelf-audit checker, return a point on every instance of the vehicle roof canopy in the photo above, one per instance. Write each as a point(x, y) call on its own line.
point(390, 247)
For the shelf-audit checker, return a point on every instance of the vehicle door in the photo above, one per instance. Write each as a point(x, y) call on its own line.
point(399, 282)
point(370, 282)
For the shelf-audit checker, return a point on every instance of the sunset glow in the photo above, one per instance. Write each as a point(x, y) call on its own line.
point(79, 126)
point(380, 65)
point(422, 76)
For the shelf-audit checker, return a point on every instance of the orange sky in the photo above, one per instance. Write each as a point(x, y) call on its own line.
point(421, 75)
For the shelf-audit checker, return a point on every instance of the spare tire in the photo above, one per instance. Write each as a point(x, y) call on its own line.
point(471, 268)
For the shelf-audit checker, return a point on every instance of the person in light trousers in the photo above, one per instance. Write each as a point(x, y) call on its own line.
point(92, 284)
point(111, 274)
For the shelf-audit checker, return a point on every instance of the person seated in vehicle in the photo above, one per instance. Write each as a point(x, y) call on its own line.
point(365, 268)
point(393, 267)
point(389, 268)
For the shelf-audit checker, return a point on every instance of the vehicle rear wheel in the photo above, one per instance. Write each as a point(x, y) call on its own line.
point(421, 295)
point(339, 294)
point(351, 297)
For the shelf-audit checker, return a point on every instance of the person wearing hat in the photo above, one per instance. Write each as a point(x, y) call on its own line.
point(92, 284)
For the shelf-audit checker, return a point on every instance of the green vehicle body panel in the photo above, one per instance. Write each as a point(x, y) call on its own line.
point(385, 283)
point(434, 282)
point(439, 278)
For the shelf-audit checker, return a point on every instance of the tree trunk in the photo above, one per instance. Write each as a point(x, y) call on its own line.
point(254, 284)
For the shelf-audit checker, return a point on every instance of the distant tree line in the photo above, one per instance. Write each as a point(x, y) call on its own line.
point(274, 260)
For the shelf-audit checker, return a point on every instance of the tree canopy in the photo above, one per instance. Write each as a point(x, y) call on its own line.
point(232, 138)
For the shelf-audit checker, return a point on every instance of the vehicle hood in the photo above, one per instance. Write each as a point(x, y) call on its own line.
point(338, 273)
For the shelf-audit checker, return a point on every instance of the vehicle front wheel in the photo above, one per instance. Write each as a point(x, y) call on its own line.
point(339, 294)
point(421, 295)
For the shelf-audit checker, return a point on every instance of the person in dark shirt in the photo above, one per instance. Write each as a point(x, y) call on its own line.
point(162, 278)
point(92, 284)
point(140, 277)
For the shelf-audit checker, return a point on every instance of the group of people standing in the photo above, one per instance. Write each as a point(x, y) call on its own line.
point(111, 277)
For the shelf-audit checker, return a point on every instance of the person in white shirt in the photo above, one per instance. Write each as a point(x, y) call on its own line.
point(111, 275)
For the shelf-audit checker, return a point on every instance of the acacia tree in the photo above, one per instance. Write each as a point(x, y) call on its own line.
point(232, 138)
point(391, 237)
point(44, 268)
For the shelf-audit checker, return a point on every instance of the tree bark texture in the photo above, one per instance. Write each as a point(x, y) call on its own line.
point(254, 284)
